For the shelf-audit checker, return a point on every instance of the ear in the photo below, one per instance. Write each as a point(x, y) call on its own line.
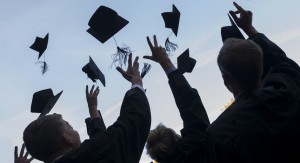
point(227, 81)
point(67, 139)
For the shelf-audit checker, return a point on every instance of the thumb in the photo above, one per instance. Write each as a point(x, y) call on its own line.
point(148, 57)
point(124, 74)
point(233, 15)
point(121, 70)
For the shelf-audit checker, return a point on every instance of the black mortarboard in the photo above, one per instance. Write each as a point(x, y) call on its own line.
point(171, 20)
point(185, 62)
point(43, 101)
point(231, 31)
point(93, 72)
point(40, 45)
point(105, 23)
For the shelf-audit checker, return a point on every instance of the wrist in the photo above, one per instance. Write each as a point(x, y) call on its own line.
point(94, 113)
point(137, 83)
point(167, 64)
point(250, 31)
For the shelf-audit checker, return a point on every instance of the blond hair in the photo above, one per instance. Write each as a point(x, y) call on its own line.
point(162, 143)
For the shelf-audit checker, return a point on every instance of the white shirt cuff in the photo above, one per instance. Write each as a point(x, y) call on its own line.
point(139, 86)
point(169, 70)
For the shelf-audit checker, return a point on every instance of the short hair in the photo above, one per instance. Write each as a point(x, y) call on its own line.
point(42, 137)
point(242, 60)
point(162, 143)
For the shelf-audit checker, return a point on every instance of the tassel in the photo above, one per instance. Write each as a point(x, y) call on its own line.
point(44, 66)
point(145, 69)
point(170, 46)
point(121, 56)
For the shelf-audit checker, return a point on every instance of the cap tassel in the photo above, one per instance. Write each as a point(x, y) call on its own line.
point(121, 55)
point(44, 66)
point(170, 46)
point(145, 69)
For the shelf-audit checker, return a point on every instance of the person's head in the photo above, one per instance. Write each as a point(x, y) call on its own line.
point(48, 136)
point(241, 64)
point(162, 143)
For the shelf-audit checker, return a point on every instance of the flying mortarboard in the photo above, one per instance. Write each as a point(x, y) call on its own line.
point(43, 101)
point(231, 31)
point(171, 20)
point(185, 62)
point(40, 45)
point(104, 24)
point(93, 72)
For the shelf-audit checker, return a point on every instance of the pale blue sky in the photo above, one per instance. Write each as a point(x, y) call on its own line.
point(70, 46)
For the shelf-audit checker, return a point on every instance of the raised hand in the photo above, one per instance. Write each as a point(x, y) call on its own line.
point(22, 158)
point(132, 74)
point(91, 98)
point(245, 19)
point(159, 54)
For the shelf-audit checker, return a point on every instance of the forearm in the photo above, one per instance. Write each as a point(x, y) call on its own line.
point(94, 113)
point(250, 31)
point(94, 126)
point(188, 101)
point(168, 66)
point(273, 54)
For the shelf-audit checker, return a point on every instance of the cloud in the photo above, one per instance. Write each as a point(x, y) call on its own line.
point(287, 35)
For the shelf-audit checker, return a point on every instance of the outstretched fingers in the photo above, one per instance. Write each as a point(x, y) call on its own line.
point(22, 150)
point(97, 91)
point(92, 90)
point(149, 43)
point(238, 7)
point(136, 63)
point(130, 60)
point(155, 41)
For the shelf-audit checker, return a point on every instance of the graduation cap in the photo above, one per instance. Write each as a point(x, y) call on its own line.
point(104, 24)
point(185, 62)
point(40, 45)
point(43, 101)
point(93, 72)
point(231, 31)
point(171, 20)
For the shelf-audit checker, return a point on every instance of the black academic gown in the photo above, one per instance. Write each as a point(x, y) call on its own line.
point(95, 126)
point(122, 142)
point(262, 125)
point(193, 114)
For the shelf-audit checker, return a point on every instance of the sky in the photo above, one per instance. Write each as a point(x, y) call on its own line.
point(70, 46)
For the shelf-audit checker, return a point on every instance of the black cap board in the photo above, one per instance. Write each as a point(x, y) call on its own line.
point(93, 72)
point(43, 101)
point(231, 31)
point(40, 45)
point(185, 62)
point(171, 19)
point(105, 23)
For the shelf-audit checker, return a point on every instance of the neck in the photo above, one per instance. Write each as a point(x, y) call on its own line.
point(236, 91)
point(57, 154)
